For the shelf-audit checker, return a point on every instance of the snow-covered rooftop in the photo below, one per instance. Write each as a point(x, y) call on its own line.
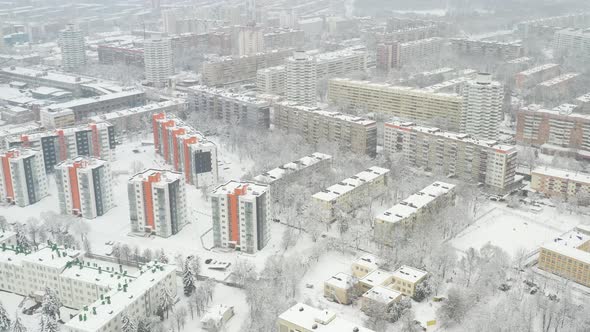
point(82, 162)
point(377, 278)
point(245, 98)
point(563, 174)
point(252, 189)
point(367, 260)
point(399, 89)
point(17, 137)
point(6, 236)
point(559, 79)
point(47, 75)
point(568, 244)
point(382, 294)
point(163, 176)
point(351, 183)
point(412, 204)
point(56, 258)
point(537, 69)
point(292, 167)
point(97, 99)
point(341, 280)
point(556, 111)
point(155, 107)
point(312, 319)
point(409, 274)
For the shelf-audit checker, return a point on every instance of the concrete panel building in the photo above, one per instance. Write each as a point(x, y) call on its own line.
point(568, 256)
point(301, 79)
point(157, 202)
point(566, 184)
point(158, 60)
point(23, 181)
point(483, 100)
point(84, 187)
point(73, 48)
point(340, 288)
point(304, 318)
point(241, 216)
point(453, 154)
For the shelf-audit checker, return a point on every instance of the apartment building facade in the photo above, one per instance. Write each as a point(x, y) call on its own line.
point(568, 256)
point(354, 133)
point(241, 216)
point(232, 108)
point(414, 209)
point(157, 202)
point(271, 80)
point(483, 100)
point(572, 42)
point(73, 48)
point(566, 184)
point(453, 154)
point(84, 187)
point(559, 130)
point(533, 76)
point(397, 54)
point(186, 149)
point(491, 48)
point(301, 79)
point(158, 61)
point(404, 102)
point(96, 140)
point(350, 193)
point(23, 181)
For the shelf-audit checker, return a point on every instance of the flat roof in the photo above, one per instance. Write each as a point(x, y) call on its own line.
point(351, 183)
point(85, 162)
point(559, 79)
point(17, 137)
point(97, 99)
point(46, 75)
point(154, 107)
point(252, 189)
point(377, 278)
point(367, 260)
point(166, 176)
point(409, 273)
point(399, 89)
point(382, 294)
point(538, 69)
point(341, 280)
point(563, 174)
point(313, 319)
point(292, 167)
point(53, 258)
point(335, 115)
point(567, 244)
point(416, 201)
point(247, 98)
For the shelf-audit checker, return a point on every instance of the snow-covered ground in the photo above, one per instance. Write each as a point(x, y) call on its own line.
point(515, 229)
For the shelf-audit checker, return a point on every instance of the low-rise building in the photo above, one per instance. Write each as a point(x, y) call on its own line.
point(453, 154)
point(406, 278)
point(304, 318)
point(364, 265)
point(216, 317)
point(52, 118)
point(376, 278)
point(157, 202)
point(7, 238)
point(84, 187)
point(491, 48)
point(379, 297)
point(354, 133)
point(271, 80)
point(23, 180)
point(568, 256)
point(557, 88)
point(340, 288)
point(414, 209)
point(241, 216)
point(350, 193)
point(566, 184)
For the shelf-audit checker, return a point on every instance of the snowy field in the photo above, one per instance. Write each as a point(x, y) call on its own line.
point(516, 229)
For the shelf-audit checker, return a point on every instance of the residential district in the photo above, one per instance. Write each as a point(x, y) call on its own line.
point(294, 166)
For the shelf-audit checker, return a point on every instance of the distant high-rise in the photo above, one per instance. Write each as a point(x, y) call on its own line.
point(482, 107)
point(250, 40)
point(73, 48)
point(158, 58)
point(301, 84)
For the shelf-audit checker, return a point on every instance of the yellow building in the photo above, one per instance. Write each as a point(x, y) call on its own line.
point(364, 265)
point(568, 256)
point(380, 296)
point(339, 288)
point(406, 278)
point(303, 318)
point(375, 278)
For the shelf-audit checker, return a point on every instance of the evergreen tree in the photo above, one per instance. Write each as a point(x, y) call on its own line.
point(48, 323)
point(4, 319)
point(162, 258)
point(166, 301)
point(188, 276)
point(144, 325)
point(128, 324)
point(423, 290)
point(18, 326)
point(21, 238)
point(51, 304)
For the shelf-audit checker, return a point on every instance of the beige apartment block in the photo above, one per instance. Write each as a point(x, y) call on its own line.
point(453, 154)
point(561, 183)
point(364, 265)
point(404, 102)
point(339, 288)
point(406, 278)
point(568, 256)
point(412, 210)
point(356, 134)
point(379, 297)
point(304, 318)
point(348, 194)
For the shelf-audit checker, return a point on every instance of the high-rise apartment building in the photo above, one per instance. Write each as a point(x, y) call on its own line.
point(483, 100)
point(359, 135)
point(572, 42)
point(398, 54)
point(271, 80)
point(157, 202)
point(250, 40)
point(159, 60)
point(84, 187)
point(533, 76)
point(304, 318)
point(241, 216)
point(94, 140)
point(73, 48)
point(23, 181)
point(186, 149)
point(453, 154)
point(559, 130)
point(301, 84)
point(399, 101)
